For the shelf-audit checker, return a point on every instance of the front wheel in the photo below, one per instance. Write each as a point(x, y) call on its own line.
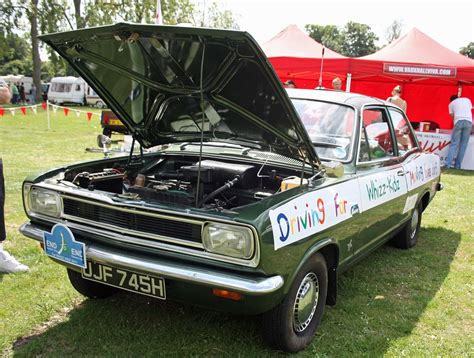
point(408, 236)
point(89, 288)
point(291, 325)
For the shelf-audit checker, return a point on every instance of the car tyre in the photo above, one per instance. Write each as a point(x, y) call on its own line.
point(291, 325)
point(89, 288)
point(408, 236)
point(100, 104)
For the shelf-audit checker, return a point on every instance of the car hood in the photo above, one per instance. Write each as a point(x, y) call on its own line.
point(177, 84)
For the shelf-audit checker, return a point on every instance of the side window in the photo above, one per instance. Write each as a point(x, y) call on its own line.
point(403, 134)
point(376, 139)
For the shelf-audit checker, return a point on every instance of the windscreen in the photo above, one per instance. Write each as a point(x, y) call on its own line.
point(330, 127)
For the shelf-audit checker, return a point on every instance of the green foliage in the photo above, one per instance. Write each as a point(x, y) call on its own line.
point(468, 50)
point(359, 40)
point(12, 47)
point(353, 40)
point(328, 35)
point(18, 67)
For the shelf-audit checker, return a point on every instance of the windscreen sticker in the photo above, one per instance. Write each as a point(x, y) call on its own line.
point(410, 203)
point(379, 188)
point(313, 212)
point(421, 170)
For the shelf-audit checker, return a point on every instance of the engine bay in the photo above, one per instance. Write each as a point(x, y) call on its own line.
point(185, 181)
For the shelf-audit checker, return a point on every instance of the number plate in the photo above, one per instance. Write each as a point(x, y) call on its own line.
point(115, 122)
point(126, 280)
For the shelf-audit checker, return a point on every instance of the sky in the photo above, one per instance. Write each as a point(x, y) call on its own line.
point(449, 23)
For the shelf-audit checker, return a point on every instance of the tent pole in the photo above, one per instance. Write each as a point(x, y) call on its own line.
point(348, 82)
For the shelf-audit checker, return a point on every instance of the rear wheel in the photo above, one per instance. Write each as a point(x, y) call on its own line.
point(292, 324)
point(408, 236)
point(89, 288)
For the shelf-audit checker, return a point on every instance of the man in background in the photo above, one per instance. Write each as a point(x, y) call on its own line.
point(337, 84)
point(460, 110)
point(7, 262)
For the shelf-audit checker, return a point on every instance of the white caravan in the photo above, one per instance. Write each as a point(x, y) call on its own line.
point(67, 90)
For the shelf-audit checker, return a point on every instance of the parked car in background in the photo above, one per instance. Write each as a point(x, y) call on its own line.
point(252, 198)
point(111, 123)
point(67, 90)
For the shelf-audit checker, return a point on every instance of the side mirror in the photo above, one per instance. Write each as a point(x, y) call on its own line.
point(104, 142)
point(333, 169)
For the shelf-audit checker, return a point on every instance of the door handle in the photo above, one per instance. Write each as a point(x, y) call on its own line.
point(401, 173)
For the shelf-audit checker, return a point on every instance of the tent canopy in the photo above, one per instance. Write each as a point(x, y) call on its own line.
point(415, 57)
point(292, 42)
point(294, 55)
point(417, 47)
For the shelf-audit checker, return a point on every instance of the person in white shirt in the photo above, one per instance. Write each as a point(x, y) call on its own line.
point(460, 109)
point(7, 262)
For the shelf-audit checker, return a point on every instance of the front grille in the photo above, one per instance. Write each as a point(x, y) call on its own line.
point(133, 221)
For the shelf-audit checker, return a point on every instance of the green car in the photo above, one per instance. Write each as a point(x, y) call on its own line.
point(245, 197)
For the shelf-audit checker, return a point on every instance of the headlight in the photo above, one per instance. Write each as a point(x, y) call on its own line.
point(229, 240)
point(41, 201)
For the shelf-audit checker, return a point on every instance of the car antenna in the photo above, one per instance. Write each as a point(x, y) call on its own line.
point(320, 85)
point(202, 124)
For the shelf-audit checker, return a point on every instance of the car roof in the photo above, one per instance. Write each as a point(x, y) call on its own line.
point(353, 99)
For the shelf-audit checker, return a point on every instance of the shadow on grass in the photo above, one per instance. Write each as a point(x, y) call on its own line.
point(379, 301)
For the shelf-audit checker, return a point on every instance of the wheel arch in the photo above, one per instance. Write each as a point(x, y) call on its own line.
point(329, 248)
point(425, 200)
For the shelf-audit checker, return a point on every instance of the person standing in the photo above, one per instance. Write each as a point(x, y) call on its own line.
point(21, 91)
point(396, 98)
point(15, 93)
point(33, 94)
point(460, 110)
point(8, 263)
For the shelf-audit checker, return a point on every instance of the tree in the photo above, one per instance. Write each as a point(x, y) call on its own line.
point(13, 47)
point(327, 35)
point(468, 50)
point(215, 17)
point(359, 40)
point(394, 30)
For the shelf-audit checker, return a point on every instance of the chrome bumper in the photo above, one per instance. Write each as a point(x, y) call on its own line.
point(182, 272)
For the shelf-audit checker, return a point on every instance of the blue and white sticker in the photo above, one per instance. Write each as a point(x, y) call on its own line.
point(61, 245)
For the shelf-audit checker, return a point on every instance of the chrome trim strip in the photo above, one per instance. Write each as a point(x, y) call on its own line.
point(156, 245)
point(182, 272)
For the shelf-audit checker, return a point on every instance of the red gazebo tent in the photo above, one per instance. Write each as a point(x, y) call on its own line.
point(428, 72)
point(296, 56)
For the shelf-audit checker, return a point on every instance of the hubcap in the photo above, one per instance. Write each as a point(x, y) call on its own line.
point(414, 223)
point(305, 302)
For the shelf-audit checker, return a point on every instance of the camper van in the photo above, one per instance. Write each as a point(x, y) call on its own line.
point(93, 99)
point(67, 90)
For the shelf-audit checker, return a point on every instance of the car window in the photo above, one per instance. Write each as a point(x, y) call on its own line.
point(330, 127)
point(376, 139)
point(403, 134)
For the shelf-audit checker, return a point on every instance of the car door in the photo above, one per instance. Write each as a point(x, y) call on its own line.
point(414, 166)
point(380, 178)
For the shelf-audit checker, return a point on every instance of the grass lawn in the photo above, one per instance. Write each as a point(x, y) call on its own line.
point(396, 303)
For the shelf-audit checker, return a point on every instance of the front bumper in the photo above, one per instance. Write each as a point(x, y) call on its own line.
point(183, 272)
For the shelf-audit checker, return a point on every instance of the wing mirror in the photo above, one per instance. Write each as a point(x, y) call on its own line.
point(333, 169)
